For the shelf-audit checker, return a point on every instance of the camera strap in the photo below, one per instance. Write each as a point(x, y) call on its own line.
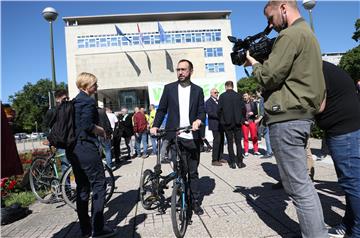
point(246, 72)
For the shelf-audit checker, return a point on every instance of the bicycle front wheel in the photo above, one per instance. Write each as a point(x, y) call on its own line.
point(179, 209)
point(43, 181)
point(68, 186)
point(147, 196)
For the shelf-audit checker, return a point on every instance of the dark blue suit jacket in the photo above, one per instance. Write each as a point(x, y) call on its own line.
point(169, 104)
point(231, 109)
point(86, 117)
point(211, 108)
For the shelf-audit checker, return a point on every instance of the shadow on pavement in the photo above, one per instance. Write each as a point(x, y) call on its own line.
point(121, 206)
point(326, 191)
point(129, 230)
point(118, 210)
point(206, 186)
point(330, 203)
point(270, 206)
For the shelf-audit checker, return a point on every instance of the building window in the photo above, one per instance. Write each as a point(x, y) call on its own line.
point(215, 68)
point(213, 52)
point(150, 38)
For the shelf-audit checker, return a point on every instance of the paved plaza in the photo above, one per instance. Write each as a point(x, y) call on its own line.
point(237, 203)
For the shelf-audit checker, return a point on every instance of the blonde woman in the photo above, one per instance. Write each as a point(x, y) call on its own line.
point(86, 160)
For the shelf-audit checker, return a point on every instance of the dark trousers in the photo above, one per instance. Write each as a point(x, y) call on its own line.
point(218, 145)
point(116, 145)
point(89, 177)
point(127, 144)
point(231, 135)
point(190, 155)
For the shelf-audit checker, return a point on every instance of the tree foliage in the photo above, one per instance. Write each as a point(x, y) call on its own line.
point(31, 104)
point(350, 61)
point(356, 35)
point(247, 85)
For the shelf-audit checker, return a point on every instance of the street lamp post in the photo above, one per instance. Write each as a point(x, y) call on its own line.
point(309, 5)
point(50, 15)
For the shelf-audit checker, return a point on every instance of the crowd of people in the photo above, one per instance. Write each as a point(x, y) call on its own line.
point(296, 88)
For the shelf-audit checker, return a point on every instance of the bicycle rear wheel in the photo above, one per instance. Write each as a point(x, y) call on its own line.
point(179, 209)
point(147, 196)
point(43, 181)
point(68, 186)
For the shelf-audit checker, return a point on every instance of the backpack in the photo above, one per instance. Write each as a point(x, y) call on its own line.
point(62, 133)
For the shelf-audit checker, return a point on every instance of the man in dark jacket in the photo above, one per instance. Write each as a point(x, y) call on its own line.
point(231, 107)
point(211, 108)
point(106, 141)
point(341, 122)
point(49, 119)
point(125, 129)
point(183, 101)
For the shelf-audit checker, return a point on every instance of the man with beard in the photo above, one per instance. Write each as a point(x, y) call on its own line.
point(190, 111)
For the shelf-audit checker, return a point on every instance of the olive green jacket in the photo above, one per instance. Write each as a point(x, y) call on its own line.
point(292, 75)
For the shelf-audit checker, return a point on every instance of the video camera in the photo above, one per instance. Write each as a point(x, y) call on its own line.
point(259, 46)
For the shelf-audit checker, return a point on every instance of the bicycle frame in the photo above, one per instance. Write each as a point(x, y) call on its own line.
point(159, 182)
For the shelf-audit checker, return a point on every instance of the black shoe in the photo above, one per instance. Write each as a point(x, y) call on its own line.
point(198, 210)
point(216, 163)
point(117, 161)
point(267, 156)
point(232, 165)
point(165, 161)
point(241, 165)
point(106, 232)
point(88, 235)
point(277, 185)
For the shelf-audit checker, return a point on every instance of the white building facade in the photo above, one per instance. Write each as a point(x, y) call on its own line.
point(126, 63)
point(333, 58)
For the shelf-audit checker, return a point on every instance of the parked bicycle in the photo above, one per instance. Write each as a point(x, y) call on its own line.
point(49, 186)
point(152, 187)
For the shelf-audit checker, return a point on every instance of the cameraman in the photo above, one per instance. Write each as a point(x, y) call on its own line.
point(294, 90)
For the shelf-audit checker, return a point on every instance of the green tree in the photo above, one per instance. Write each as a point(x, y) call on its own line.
point(247, 85)
point(356, 35)
point(31, 104)
point(350, 61)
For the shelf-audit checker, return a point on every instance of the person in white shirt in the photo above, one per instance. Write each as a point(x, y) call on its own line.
point(183, 102)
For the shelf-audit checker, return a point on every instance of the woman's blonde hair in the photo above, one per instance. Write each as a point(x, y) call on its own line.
point(85, 80)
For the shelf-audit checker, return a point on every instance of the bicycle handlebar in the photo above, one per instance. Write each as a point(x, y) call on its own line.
point(162, 132)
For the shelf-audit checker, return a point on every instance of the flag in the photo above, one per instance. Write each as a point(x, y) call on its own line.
point(169, 62)
point(141, 37)
point(161, 32)
point(148, 61)
point(133, 63)
point(119, 32)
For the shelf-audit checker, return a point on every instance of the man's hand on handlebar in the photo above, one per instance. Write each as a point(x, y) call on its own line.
point(153, 130)
point(196, 125)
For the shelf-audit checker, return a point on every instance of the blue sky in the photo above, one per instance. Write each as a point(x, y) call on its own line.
point(25, 41)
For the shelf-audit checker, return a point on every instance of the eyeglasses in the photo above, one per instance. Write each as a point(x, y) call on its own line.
point(216, 92)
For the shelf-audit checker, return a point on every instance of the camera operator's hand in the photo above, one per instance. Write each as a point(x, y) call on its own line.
point(249, 60)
